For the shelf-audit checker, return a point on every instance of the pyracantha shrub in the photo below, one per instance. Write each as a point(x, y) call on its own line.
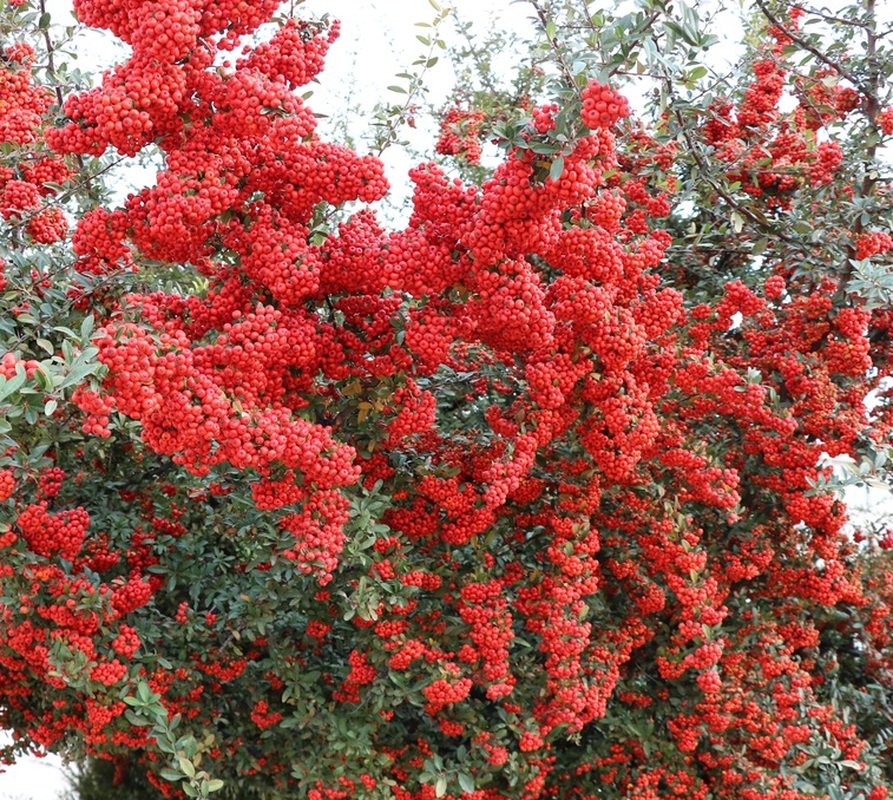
point(501, 504)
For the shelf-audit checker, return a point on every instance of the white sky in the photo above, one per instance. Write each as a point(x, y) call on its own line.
point(32, 778)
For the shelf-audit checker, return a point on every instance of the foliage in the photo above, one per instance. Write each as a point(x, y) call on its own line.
point(527, 499)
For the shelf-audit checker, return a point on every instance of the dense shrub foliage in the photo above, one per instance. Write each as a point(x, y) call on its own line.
point(529, 498)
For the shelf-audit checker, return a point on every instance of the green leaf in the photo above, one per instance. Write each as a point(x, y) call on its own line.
point(542, 148)
point(440, 786)
point(87, 327)
point(135, 719)
point(13, 384)
point(78, 373)
point(466, 782)
point(215, 785)
point(186, 766)
point(557, 168)
point(398, 89)
point(759, 246)
point(188, 744)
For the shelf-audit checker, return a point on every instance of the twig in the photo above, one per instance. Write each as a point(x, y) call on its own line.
point(60, 98)
point(802, 43)
point(475, 54)
point(758, 220)
point(553, 43)
point(51, 66)
point(416, 87)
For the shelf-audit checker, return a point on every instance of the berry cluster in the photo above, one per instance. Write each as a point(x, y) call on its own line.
point(51, 534)
point(24, 186)
point(460, 132)
point(602, 106)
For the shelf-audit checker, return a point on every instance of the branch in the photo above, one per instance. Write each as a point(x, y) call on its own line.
point(882, 32)
point(484, 74)
point(553, 43)
point(51, 66)
point(60, 98)
point(802, 43)
point(755, 218)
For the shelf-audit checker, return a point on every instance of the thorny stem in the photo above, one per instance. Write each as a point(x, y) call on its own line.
point(60, 98)
point(758, 220)
point(553, 43)
point(871, 107)
point(415, 87)
point(51, 66)
point(831, 18)
point(484, 74)
point(87, 182)
point(823, 57)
